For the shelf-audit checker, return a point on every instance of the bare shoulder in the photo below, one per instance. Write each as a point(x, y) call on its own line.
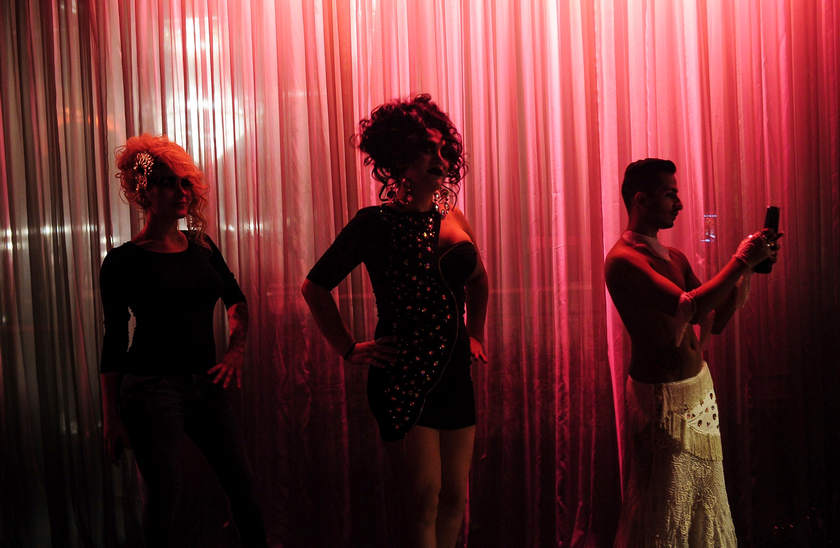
point(621, 254)
point(621, 260)
point(460, 220)
point(678, 254)
point(680, 259)
point(458, 216)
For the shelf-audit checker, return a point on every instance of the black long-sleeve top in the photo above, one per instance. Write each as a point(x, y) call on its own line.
point(172, 296)
point(367, 239)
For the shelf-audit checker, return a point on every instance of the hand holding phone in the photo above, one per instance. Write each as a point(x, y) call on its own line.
point(771, 221)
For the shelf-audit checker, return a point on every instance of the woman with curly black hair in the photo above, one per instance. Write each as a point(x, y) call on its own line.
point(425, 269)
point(165, 386)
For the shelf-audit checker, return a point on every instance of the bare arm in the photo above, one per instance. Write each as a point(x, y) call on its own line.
point(476, 295)
point(733, 302)
point(377, 353)
point(713, 322)
point(476, 287)
point(649, 288)
point(477, 292)
point(350, 248)
point(712, 294)
point(230, 368)
point(238, 325)
point(751, 251)
point(327, 317)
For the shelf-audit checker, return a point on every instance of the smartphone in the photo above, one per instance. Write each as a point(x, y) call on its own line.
point(771, 220)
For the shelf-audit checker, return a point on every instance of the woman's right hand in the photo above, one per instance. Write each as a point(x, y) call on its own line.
point(379, 352)
point(115, 437)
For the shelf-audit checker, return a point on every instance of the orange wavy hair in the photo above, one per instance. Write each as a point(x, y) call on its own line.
point(165, 152)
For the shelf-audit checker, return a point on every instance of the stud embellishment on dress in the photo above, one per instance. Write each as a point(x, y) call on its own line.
point(420, 298)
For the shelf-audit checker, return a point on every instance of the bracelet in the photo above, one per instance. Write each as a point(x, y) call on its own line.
point(350, 350)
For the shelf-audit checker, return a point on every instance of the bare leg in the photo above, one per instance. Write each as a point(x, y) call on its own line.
point(456, 450)
point(416, 461)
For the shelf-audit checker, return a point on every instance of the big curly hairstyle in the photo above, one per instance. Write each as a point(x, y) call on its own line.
point(396, 134)
point(169, 154)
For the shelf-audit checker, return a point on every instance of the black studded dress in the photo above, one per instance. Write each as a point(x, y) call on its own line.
point(420, 298)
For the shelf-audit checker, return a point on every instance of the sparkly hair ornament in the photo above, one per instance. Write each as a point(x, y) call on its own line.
point(143, 164)
point(138, 164)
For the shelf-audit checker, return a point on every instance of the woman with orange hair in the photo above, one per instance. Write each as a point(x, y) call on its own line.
point(165, 386)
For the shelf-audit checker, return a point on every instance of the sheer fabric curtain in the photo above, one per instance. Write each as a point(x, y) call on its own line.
point(553, 98)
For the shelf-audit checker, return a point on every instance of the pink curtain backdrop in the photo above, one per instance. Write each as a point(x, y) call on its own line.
point(553, 98)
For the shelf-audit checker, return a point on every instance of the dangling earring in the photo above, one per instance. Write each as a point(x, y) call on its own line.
point(407, 197)
point(441, 201)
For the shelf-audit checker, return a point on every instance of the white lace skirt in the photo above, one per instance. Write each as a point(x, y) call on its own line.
point(675, 493)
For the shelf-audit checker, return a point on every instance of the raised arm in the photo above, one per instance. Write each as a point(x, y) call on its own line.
point(736, 299)
point(710, 295)
point(753, 250)
point(713, 323)
point(650, 288)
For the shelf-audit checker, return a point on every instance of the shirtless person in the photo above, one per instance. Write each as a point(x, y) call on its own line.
point(675, 493)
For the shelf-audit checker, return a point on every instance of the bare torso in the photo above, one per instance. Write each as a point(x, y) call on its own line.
point(661, 350)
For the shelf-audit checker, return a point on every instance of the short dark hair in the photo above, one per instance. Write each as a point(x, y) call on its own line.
point(396, 134)
point(644, 176)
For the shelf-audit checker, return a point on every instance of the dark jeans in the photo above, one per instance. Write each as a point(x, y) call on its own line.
point(159, 412)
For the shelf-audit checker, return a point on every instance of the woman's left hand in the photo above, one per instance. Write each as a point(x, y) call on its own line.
point(477, 350)
point(228, 369)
